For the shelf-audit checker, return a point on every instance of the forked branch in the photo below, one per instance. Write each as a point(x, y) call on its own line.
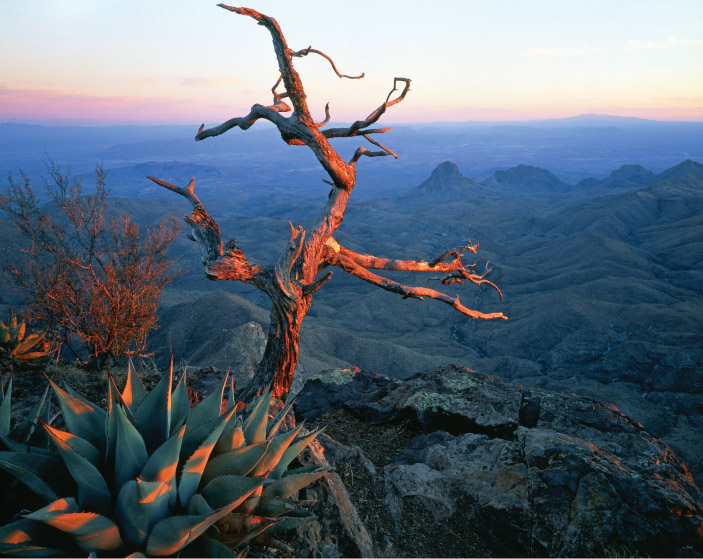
point(220, 263)
point(357, 128)
point(455, 272)
point(348, 265)
point(305, 52)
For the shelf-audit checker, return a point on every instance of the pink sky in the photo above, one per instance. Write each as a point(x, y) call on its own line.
point(157, 62)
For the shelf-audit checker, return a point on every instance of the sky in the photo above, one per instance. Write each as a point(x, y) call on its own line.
point(92, 62)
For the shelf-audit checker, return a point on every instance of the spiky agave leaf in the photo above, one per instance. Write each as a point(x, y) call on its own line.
point(140, 505)
point(254, 427)
point(195, 465)
point(6, 408)
point(237, 462)
point(22, 432)
point(42, 473)
point(134, 391)
point(175, 532)
point(130, 450)
point(93, 492)
point(180, 405)
point(91, 531)
point(82, 417)
point(212, 468)
point(153, 414)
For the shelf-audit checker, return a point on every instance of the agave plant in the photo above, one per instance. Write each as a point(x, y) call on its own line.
point(16, 346)
point(152, 476)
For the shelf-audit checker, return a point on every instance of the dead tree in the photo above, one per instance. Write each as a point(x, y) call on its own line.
point(301, 269)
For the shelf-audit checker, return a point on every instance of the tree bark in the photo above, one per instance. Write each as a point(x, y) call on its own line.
point(291, 282)
point(277, 367)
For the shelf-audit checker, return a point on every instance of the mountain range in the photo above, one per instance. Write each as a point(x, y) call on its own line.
point(601, 267)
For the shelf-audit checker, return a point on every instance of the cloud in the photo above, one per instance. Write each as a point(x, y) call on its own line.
point(32, 105)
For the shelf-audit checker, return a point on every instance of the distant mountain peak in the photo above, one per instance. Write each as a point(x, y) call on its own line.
point(529, 177)
point(446, 184)
point(446, 170)
point(688, 167)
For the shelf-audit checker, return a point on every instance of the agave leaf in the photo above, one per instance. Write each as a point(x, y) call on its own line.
point(82, 417)
point(231, 401)
point(140, 505)
point(206, 547)
point(286, 486)
point(254, 427)
point(162, 464)
point(154, 413)
point(31, 356)
point(180, 404)
point(237, 462)
point(80, 445)
point(175, 532)
point(195, 437)
point(237, 529)
point(91, 531)
point(24, 430)
point(292, 452)
point(275, 506)
point(93, 493)
point(27, 538)
point(275, 451)
point(110, 422)
point(29, 342)
point(6, 409)
point(198, 506)
point(19, 330)
point(134, 391)
point(231, 438)
point(280, 416)
point(66, 505)
point(130, 450)
point(194, 467)
point(225, 490)
point(292, 523)
point(302, 470)
point(25, 448)
point(4, 333)
point(207, 409)
point(36, 471)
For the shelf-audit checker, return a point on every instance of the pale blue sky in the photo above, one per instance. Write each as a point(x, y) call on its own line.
point(187, 61)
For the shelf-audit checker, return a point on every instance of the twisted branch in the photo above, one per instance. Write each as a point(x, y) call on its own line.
point(270, 113)
point(305, 52)
point(349, 266)
point(456, 272)
point(220, 263)
point(357, 127)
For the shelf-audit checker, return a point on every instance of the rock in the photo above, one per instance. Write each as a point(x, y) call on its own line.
point(337, 388)
point(522, 472)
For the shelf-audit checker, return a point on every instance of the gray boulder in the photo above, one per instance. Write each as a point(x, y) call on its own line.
point(527, 472)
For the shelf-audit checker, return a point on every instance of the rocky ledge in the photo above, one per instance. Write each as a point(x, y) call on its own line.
point(512, 471)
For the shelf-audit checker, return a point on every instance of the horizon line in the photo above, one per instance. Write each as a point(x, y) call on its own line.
point(582, 117)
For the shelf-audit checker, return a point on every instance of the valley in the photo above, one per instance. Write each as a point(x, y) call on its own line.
point(598, 253)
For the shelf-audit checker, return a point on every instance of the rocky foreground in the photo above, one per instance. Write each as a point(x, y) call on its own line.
point(455, 463)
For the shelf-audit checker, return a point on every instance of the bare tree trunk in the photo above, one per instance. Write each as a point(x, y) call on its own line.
point(298, 274)
point(277, 366)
